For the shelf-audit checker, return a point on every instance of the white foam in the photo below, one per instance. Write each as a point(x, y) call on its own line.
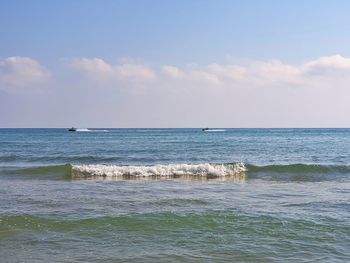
point(170, 170)
point(87, 130)
point(215, 130)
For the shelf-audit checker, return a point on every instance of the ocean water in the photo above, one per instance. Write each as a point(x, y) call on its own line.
point(175, 195)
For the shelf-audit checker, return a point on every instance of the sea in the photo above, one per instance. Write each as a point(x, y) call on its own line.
point(175, 195)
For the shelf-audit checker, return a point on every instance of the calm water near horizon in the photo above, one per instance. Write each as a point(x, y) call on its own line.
point(175, 195)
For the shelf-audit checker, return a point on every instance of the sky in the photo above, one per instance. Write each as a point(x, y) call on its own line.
point(185, 63)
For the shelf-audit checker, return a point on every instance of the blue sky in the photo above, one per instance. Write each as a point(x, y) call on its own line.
point(202, 31)
point(156, 63)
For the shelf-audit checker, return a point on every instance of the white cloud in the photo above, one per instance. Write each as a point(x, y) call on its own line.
point(256, 72)
point(26, 72)
point(92, 66)
point(21, 72)
point(318, 72)
point(234, 72)
point(173, 72)
point(205, 76)
point(267, 73)
point(135, 72)
point(329, 64)
point(274, 71)
point(101, 70)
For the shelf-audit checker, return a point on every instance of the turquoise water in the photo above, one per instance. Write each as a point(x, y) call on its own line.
point(175, 195)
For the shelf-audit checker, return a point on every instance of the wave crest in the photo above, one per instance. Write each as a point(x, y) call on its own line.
point(170, 170)
point(235, 171)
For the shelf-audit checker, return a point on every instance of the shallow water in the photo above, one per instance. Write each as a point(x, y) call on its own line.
point(175, 195)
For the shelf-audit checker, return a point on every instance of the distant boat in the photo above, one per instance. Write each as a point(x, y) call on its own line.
point(213, 130)
point(72, 129)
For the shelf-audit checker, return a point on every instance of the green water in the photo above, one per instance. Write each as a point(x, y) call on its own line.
point(175, 221)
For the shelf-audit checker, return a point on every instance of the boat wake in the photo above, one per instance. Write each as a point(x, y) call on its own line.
point(214, 130)
point(88, 130)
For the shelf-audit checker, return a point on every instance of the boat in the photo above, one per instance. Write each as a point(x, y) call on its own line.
point(213, 130)
point(72, 129)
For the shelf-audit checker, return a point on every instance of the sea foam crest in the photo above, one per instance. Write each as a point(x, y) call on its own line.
point(170, 170)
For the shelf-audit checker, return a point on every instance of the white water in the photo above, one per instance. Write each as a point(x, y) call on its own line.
point(87, 130)
point(215, 130)
point(170, 170)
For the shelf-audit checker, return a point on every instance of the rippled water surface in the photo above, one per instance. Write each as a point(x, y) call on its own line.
point(175, 195)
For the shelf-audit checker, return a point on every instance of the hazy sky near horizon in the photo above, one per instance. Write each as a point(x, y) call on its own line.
point(183, 63)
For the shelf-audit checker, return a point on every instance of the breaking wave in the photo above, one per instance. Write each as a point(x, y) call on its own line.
point(289, 172)
point(170, 170)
